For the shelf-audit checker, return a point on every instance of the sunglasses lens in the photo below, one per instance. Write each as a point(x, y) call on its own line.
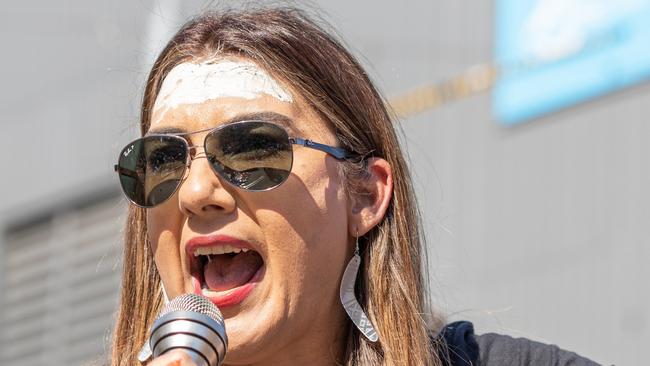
point(255, 156)
point(151, 169)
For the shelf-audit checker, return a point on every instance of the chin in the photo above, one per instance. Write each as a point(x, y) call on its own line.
point(253, 331)
point(248, 344)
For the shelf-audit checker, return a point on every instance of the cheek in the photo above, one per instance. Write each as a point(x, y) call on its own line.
point(164, 229)
point(313, 202)
point(310, 232)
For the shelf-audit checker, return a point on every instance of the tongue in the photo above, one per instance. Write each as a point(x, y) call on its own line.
point(223, 272)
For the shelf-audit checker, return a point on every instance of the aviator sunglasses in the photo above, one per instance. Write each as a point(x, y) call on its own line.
point(250, 155)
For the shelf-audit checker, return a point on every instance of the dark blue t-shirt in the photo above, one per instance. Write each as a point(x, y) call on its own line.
point(464, 348)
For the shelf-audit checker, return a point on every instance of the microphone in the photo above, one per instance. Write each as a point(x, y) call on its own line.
point(193, 324)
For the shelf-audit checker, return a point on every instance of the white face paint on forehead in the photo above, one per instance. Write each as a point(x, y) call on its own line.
point(195, 83)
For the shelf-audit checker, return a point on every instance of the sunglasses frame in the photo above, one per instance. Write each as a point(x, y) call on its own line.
point(338, 153)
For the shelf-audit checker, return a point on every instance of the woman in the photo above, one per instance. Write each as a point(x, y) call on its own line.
point(270, 180)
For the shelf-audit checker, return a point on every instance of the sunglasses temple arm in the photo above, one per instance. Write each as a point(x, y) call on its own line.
point(337, 152)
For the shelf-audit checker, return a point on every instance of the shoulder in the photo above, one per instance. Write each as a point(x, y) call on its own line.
point(459, 346)
point(497, 349)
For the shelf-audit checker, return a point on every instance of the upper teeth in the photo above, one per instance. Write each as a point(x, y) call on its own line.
point(222, 249)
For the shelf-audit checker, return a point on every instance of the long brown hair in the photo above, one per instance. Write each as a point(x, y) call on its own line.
point(292, 47)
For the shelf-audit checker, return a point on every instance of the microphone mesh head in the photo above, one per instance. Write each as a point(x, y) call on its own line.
point(195, 303)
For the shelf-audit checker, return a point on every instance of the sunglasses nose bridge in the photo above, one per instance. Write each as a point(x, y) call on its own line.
point(193, 152)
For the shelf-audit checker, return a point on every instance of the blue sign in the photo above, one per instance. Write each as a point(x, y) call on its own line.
point(555, 53)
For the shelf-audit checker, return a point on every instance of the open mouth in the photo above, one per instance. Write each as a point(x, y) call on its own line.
point(224, 273)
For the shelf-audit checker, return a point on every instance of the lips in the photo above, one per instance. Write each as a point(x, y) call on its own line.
point(227, 269)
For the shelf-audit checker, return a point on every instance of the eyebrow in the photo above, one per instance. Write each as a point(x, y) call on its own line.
point(275, 117)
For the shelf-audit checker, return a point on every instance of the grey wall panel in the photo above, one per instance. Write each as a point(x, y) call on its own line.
point(57, 307)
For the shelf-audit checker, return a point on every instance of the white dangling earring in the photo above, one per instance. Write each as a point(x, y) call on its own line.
point(349, 299)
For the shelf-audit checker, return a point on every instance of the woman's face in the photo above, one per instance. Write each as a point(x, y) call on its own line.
point(280, 297)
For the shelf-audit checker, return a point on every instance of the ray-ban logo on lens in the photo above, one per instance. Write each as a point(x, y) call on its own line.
point(128, 151)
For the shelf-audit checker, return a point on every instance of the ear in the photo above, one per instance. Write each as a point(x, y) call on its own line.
point(369, 204)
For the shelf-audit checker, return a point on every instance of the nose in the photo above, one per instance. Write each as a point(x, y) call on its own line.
point(202, 193)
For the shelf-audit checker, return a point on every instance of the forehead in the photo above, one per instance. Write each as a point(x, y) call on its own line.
point(192, 83)
point(200, 95)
